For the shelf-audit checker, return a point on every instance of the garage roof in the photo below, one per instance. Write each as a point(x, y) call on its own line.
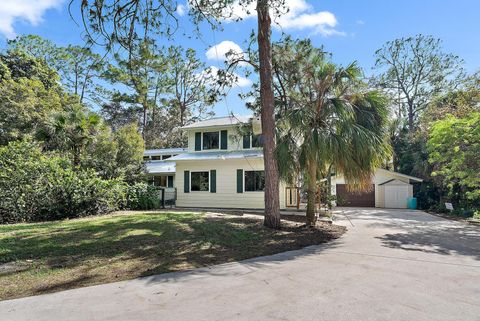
point(413, 178)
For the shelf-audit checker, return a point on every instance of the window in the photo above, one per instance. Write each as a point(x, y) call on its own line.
point(166, 156)
point(254, 181)
point(200, 182)
point(158, 181)
point(211, 140)
point(257, 140)
point(158, 157)
point(252, 141)
point(146, 158)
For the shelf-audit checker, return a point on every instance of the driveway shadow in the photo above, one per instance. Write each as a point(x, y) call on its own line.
point(445, 240)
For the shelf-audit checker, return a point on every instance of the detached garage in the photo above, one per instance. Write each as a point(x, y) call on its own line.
point(389, 189)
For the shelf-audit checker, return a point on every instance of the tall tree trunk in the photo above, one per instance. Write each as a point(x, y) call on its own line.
point(311, 193)
point(410, 117)
point(272, 202)
point(144, 122)
point(182, 114)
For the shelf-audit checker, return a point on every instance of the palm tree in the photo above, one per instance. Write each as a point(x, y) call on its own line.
point(332, 120)
point(71, 130)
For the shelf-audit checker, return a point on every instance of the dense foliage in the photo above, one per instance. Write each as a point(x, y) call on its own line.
point(37, 187)
point(59, 158)
point(430, 97)
point(142, 196)
point(454, 152)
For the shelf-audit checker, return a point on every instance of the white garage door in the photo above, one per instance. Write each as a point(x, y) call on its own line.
point(396, 196)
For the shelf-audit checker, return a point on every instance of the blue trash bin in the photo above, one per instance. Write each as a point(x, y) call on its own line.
point(412, 203)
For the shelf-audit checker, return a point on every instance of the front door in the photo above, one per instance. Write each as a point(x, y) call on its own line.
point(293, 197)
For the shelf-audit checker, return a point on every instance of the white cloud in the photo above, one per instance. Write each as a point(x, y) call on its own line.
point(239, 81)
point(242, 81)
point(220, 50)
point(300, 16)
point(181, 10)
point(30, 11)
point(360, 22)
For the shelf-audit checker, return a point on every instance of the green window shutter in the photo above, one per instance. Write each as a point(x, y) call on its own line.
point(246, 142)
point(239, 180)
point(198, 141)
point(224, 139)
point(213, 181)
point(170, 181)
point(186, 181)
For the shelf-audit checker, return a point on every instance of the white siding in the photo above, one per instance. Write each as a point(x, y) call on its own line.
point(226, 195)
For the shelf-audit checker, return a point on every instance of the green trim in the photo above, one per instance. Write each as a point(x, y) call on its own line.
point(239, 180)
point(223, 139)
point(213, 181)
point(198, 141)
point(186, 181)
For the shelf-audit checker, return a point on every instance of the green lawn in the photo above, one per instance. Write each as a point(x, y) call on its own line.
point(46, 257)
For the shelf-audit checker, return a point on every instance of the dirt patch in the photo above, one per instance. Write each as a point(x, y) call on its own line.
point(43, 258)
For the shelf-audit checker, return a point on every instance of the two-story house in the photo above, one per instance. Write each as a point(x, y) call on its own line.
point(219, 169)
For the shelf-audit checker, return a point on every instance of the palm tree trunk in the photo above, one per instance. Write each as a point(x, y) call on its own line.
point(311, 191)
point(272, 202)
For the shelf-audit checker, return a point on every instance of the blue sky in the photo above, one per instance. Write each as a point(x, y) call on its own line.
point(349, 29)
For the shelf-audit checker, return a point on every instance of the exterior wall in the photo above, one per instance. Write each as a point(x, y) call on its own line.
point(226, 183)
point(379, 178)
point(235, 141)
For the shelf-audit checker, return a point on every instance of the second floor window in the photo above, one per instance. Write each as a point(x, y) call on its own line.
point(252, 141)
point(257, 141)
point(211, 140)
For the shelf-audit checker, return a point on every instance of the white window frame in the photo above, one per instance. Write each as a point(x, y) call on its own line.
point(199, 171)
point(245, 180)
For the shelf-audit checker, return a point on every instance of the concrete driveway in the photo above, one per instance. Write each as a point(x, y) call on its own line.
point(390, 265)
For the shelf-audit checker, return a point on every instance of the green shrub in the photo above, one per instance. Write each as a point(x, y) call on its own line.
point(142, 196)
point(37, 187)
point(476, 215)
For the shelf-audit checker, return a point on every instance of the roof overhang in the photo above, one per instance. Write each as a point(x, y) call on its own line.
point(413, 178)
point(218, 155)
point(218, 122)
point(162, 167)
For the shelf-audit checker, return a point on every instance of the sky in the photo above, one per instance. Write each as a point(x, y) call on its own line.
point(351, 30)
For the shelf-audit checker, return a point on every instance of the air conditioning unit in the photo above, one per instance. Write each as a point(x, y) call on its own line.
point(257, 125)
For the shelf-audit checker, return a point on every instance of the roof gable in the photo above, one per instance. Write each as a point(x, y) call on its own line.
point(393, 182)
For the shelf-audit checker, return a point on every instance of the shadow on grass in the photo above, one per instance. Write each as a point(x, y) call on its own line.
point(144, 244)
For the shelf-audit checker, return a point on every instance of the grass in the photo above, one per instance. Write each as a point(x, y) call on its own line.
point(47, 257)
